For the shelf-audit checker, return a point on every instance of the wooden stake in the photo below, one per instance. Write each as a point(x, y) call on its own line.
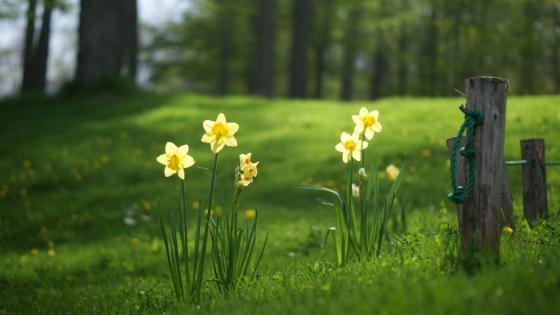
point(481, 214)
point(535, 203)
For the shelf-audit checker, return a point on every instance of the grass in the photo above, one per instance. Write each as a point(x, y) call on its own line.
point(73, 170)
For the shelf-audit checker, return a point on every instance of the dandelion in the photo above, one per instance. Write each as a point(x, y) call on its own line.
point(34, 252)
point(175, 160)
point(51, 253)
point(219, 133)
point(426, 153)
point(507, 230)
point(195, 205)
point(250, 214)
point(392, 172)
point(350, 146)
point(367, 123)
point(147, 206)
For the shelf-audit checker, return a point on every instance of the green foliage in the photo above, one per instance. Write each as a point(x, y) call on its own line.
point(71, 169)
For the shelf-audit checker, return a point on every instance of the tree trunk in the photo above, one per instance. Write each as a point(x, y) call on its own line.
point(323, 28)
point(28, 47)
point(130, 37)
point(555, 54)
point(302, 11)
point(402, 61)
point(226, 18)
point(380, 68)
point(99, 45)
point(349, 55)
point(41, 54)
point(429, 55)
point(261, 79)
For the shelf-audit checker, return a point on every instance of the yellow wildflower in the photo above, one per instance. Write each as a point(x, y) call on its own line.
point(426, 152)
point(175, 160)
point(392, 172)
point(51, 253)
point(507, 230)
point(250, 214)
point(367, 122)
point(350, 146)
point(34, 252)
point(219, 133)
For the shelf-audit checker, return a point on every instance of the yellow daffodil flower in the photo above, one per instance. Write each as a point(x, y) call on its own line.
point(250, 214)
point(244, 159)
point(219, 133)
point(367, 122)
point(248, 172)
point(392, 172)
point(350, 146)
point(175, 160)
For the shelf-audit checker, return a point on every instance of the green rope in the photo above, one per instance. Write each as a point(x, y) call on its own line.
point(473, 118)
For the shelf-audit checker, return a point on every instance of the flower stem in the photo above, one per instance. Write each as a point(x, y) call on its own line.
point(205, 236)
point(362, 149)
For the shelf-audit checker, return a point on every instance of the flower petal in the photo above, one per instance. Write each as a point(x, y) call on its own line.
point(375, 114)
point(208, 138)
point(345, 156)
point(339, 147)
point(344, 136)
point(357, 155)
point(221, 118)
point(363, 145)
point(188, 162)
point(363, 111)
point(168, 172)
point(356, 119)
point(207, 125)
point(170, 148)
point(369, 133)
point(230, 141)
point(359, 128)
point(377, 127)
point(233, 127)
point(217, 146)
point(183, 150)
point(162, 159)
point(181, 173)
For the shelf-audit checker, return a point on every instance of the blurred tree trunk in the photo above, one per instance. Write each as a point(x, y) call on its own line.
point(402, 60)
point(129, 12)
point(380, 67)
point(41, 54)
point(349, 54)
point(28, 46)
point(108, 40)
point(261, 80)
point(429, 54)
point(323, 28)
point(301, 25)
point(556, 48)
point(226, 21)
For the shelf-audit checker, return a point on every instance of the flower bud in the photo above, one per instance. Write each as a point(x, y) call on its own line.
point(363, 175)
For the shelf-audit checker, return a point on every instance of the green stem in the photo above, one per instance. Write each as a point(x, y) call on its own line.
point(362, 149)
point(205, 236)
point(185, 237)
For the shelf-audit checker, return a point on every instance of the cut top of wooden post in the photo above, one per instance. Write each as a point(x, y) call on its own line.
point(482, 212)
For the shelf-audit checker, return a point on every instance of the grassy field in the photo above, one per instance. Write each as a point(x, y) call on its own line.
point(79, 183)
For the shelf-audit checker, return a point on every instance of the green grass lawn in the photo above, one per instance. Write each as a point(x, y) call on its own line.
point(73, 170)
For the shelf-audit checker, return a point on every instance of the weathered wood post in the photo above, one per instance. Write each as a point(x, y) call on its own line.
point(480, 217)
point(535, 203)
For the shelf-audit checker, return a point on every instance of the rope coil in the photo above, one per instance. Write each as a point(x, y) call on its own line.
point(473, 118)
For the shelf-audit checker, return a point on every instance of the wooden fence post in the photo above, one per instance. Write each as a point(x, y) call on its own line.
point(482, 212)
point(535, 203)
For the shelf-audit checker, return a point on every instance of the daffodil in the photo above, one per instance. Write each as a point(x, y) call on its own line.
point(350, 146)
point(367, 122)
point(244, 159)
point(248, 172)
point(219, 133)
point(175, 160)
point(392, 172)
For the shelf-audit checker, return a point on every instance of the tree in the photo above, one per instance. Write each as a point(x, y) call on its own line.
point(323, 18)
point(226, 17)
point(261, 81)
point(350, 47)
point(36, 50)
point(302, 13)
point(107, 40)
